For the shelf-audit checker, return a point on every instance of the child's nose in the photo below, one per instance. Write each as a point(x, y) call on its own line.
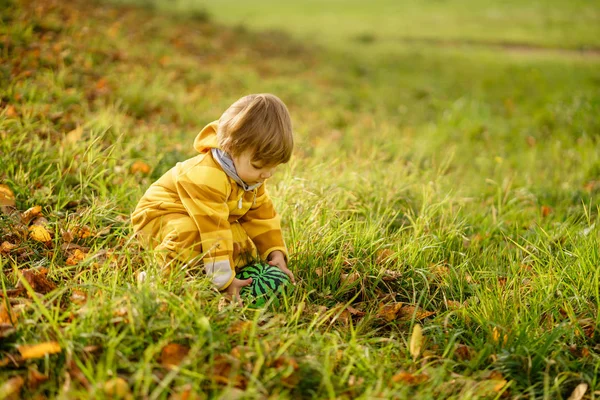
point(266, 175)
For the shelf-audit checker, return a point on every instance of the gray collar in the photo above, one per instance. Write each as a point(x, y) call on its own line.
point(225, 161)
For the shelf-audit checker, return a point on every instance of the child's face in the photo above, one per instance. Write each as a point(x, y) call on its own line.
point(252, 172)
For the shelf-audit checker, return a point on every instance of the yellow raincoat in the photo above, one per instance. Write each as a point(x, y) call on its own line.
point(196, 210)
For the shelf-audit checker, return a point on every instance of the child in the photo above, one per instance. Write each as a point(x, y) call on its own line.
point(214, 207)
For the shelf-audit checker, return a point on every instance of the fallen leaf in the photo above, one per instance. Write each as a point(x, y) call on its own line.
point(39, 233)
point(349, 278)
point(30, 214)
point(185, 393)
point(453, 304)
point(388, 311)
point(117, 387)
point(6, 247)
point(82, 233)
point(11, 389)
point(383, 256)
point(11, 111)
point(7, 197)
point(39, 350)
point(73, 136)
point(222, 370)
point(239, 327)
point(356, 312)
point(319, 272)
point(173, 354)
point(496, 336)
point(140, 166)
point(76, 257)
point(499, 385)
point(67, 236)
point(35, 378)
point(7, 316)
point(579, 392)
point(37, 280)
point(546, 210)
point(390, 275)
point(416, 340)
point(408, 378)
point(463, 352)
point(6, 330)
point(407, 312)
point(78, 297)
point(75, 372)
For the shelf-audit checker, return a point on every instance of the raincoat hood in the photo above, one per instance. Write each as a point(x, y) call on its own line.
point(207, 138)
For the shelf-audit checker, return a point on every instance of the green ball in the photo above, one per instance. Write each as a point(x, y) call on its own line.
point(268, 282)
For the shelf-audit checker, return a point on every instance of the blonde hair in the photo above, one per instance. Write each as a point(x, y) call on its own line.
point(260, 123)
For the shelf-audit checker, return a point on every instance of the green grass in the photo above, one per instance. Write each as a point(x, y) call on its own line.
point(460, 179)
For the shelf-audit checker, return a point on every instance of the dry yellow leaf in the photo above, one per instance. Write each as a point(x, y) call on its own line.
point(407, 312)
point(117, 387)
point(73, 136)
point(389, 311)
point(349, 278)
point(579, 392)
point(38, 350)
point(383, 256)
point(416, 340)
point(11, 389)
point(7, 197)
point(7, 316)
point(39, 233)
point(30, 214)
point(408, 378)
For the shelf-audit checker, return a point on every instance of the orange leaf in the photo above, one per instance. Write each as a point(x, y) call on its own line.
point(11, 111)
point(140, 166)
point(546, 210)
point(39, 350)
point(76, 257)
point(173, 354)
point(7, 316)
point(6, 247)
point(7, 197)
point(408, 378)
point(239, 327)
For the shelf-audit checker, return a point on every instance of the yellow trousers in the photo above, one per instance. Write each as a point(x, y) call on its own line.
point(176, 239)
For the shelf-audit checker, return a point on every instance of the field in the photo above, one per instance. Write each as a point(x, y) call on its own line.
point(441, 207)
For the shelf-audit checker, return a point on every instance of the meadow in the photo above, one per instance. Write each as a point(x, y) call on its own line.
point(441, 207)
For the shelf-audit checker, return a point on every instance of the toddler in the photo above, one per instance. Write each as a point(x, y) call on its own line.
point(214, 208)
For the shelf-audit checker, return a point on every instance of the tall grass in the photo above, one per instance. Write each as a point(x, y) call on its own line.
point(463, 184)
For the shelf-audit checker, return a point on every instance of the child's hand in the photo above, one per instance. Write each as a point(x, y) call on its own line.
point(277, 258)
point(233, 290)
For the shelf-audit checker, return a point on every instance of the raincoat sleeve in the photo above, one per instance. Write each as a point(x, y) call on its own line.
point(203, 190)
point(263, 225)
